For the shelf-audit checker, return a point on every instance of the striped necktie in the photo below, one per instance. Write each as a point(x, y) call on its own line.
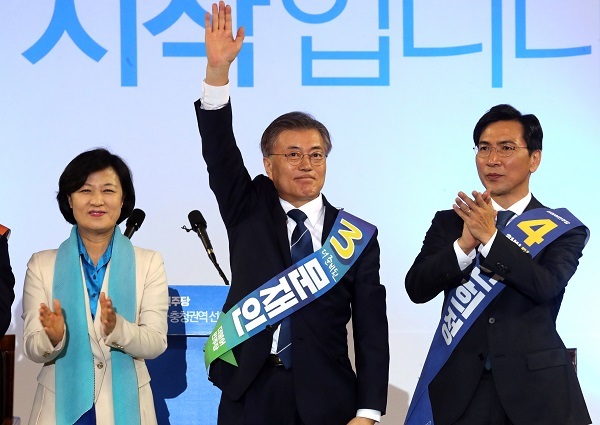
point(503, 218)
point(301, 247)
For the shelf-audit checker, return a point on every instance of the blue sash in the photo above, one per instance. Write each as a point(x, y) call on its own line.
point(532, 231)
point(291, 289)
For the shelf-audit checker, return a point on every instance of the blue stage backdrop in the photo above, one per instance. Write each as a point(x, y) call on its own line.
point(400, 84)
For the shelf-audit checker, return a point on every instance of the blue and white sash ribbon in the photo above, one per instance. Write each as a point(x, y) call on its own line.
point(291, 289)
point(532, 231)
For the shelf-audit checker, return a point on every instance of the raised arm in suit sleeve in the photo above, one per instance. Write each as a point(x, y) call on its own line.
point(227, 175)
point(228, 178)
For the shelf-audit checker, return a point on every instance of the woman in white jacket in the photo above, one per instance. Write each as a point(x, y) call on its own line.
point(96, 307)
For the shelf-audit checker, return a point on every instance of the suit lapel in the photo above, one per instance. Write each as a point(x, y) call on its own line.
point(330, 215)
point(533, 204)
point(279, 219)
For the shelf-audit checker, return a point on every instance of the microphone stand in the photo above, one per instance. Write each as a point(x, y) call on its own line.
point(213, 259)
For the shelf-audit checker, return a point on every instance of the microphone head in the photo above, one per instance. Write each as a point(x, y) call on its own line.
point(136, 218)
point(197, 220)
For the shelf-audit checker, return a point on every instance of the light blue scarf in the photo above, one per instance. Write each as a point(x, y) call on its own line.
point(75, 363)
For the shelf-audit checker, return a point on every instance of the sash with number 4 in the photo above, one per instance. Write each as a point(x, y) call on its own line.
point(291, 289)
point(532, 231)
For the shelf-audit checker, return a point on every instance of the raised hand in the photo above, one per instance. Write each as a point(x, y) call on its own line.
point(221, 47)
point(108, 316)
point(53, 322)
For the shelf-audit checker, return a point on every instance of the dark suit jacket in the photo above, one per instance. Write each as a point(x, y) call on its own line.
point(327, 390)
point(7, 284)
point(532, 371)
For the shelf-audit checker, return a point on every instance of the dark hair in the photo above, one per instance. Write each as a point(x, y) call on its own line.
point(292, 121)
point(532, 129)
point(78, 170)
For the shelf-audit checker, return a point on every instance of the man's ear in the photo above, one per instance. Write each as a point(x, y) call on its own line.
point(267, 164)
point(535, 160)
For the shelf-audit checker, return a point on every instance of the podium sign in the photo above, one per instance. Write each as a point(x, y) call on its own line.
point(182, 392)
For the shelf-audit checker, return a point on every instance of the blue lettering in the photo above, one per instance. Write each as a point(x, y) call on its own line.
point(64, 19)
point(317, 18)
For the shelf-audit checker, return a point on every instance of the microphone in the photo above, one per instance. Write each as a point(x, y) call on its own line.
point(198, 224)
point(134, 222)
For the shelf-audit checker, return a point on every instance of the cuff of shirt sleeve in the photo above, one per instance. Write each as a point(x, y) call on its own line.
point(214, 97)
point(463, 259)
point(485, 249)
point(369, 414)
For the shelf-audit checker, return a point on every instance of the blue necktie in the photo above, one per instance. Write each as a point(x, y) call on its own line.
point(301, 239)
point(503, 218)
point(301, 247)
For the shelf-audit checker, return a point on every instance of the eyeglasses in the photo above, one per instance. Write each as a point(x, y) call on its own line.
point(504, 151)
point(296, 158)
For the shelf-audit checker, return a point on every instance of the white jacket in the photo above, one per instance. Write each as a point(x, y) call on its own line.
point(144, 339)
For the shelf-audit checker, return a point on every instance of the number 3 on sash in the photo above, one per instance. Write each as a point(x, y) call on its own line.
point(353, 233)
point(536, 229)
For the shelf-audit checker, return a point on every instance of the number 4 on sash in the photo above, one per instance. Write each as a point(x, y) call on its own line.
point(536, 230)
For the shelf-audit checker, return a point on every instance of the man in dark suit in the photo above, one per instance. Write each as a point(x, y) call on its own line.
point(7, 282)
point(511, 366)
point(320, 387)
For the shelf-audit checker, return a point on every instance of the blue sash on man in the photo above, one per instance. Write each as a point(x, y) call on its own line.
point(291, 289)
point(532, 231)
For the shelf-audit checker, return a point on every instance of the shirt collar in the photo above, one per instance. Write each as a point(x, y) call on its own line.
point(313, 209)
point(518, 207)
point(105, 257)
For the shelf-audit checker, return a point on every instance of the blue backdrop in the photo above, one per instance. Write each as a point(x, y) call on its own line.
point(400, 85)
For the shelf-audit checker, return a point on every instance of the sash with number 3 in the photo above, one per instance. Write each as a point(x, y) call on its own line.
point(291, 289)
